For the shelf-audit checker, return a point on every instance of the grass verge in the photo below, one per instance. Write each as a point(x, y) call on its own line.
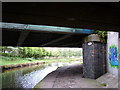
point(18, 60)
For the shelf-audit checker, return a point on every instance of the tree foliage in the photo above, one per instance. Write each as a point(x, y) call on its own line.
point(66, 53)
point(37, 52)
point(27, 52)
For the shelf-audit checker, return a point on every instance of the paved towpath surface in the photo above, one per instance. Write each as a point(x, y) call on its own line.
point(68, 77)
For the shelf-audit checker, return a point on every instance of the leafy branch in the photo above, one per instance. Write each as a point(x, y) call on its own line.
point(102, 35)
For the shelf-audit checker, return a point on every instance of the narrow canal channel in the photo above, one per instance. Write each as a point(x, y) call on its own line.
point(28, 77)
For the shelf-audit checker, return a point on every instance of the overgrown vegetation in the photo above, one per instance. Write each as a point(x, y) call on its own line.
point(104, 84)
point(102, 35)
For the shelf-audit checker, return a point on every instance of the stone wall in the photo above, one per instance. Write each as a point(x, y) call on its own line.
point(112, 52)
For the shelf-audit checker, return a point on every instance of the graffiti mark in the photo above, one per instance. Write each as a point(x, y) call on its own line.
point(113, 55)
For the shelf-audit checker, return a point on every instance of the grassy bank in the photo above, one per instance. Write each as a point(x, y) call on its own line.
point(17, 60)
point(14, 60)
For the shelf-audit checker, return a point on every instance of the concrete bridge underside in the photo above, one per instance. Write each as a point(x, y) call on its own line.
point(94, 16)
point(102, 16)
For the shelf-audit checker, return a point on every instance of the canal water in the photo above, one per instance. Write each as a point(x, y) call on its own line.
point(28, 77)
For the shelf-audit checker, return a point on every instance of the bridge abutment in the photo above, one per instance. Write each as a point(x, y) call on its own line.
point(94, 57)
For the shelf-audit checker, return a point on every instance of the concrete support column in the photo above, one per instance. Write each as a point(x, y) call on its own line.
point(119, 64)
point(112, 52)
point(94, 57)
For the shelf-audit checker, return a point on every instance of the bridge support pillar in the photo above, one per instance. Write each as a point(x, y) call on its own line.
point(94, 57)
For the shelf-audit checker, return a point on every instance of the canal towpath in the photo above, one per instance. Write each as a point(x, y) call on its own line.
point(71, 77)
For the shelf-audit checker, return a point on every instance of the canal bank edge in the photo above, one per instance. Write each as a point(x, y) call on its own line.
point(6, 67)
point(49, 80)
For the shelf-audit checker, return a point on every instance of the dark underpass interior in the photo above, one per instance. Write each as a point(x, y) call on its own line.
point(44, 39)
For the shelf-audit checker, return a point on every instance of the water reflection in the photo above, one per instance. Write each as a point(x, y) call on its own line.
point(28, 77)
